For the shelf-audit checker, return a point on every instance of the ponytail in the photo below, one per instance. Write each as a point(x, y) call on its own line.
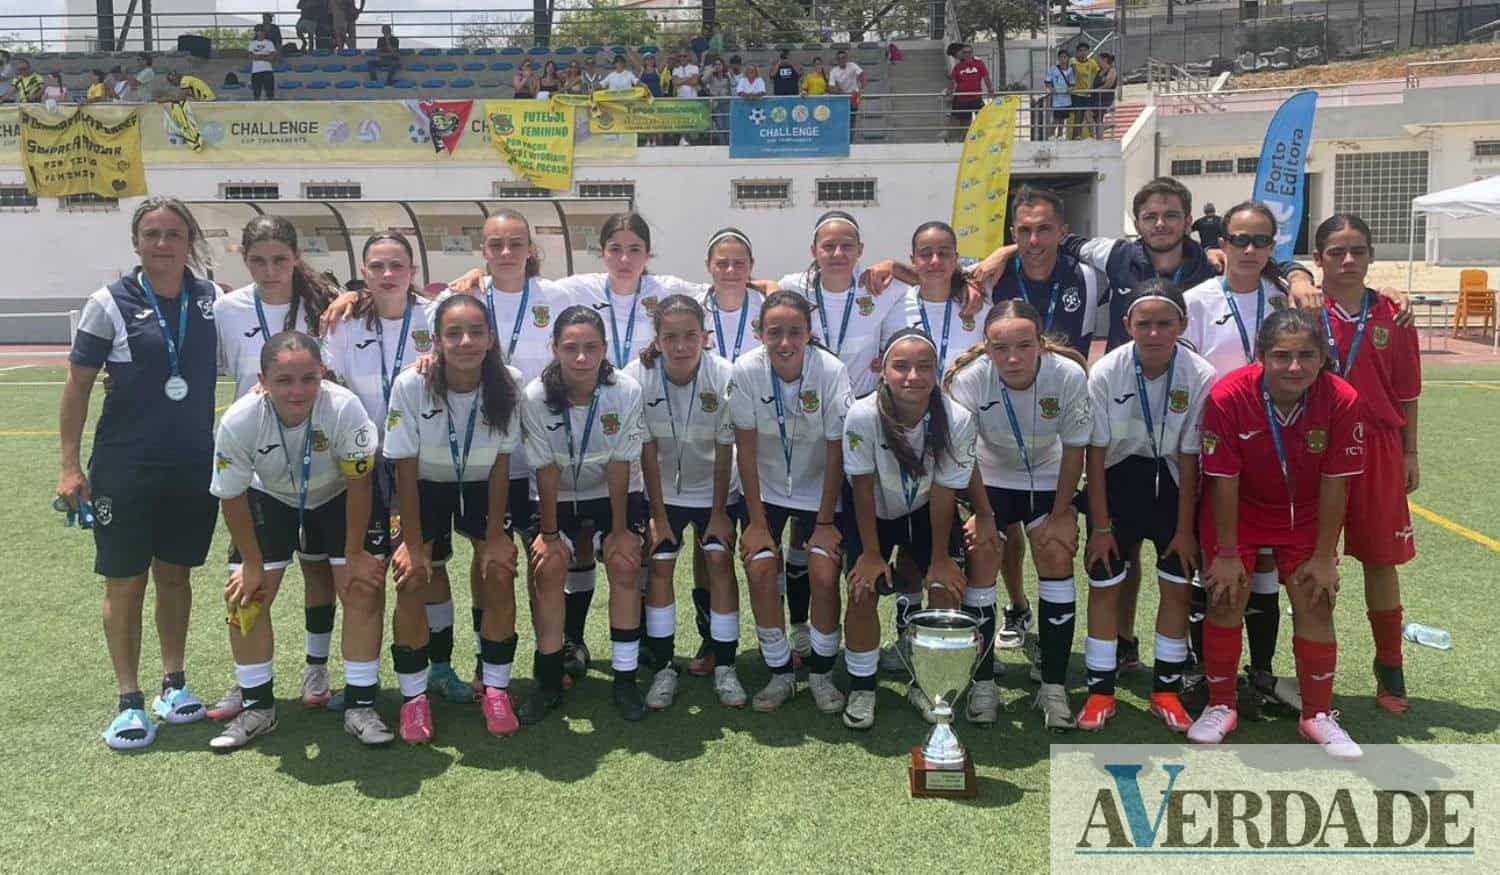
point(936, 417)
point(1014, 308)
point(498, 392)
point(311, 294)
point(555, 390)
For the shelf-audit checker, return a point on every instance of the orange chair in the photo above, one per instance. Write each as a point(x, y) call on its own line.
point(1476, 301)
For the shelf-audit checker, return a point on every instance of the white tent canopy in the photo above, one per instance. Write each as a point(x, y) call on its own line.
point(1468, 201)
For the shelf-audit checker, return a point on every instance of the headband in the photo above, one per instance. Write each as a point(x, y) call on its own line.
point(838, 217)
point(910, 335)
point(731, 234)
point(1154, 297)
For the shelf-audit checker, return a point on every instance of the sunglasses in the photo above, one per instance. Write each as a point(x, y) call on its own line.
point(1259, 241)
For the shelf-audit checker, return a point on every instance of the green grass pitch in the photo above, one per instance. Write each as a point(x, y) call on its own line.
point(696, 789)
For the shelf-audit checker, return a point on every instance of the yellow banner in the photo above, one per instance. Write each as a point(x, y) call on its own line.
point(534, 139)
point(982, 190)
point(93, 150)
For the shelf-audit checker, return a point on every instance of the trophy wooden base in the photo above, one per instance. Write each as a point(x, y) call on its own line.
point(942, 783)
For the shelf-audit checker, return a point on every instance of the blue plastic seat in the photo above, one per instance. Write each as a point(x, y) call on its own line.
point(280, 68)
point(434, 83)
point(289, 85)
point(869, 45)
point(501, 67)
point(318, 85)
point(512, 50)
point(461, 83)
point(361, 67)
point(322, 53)
point(231, 86)
point(538, 51)
point(417, 67)
point(374, 84)
point(335, 68)
point(403, 83)
point(483, 52)
point(490, 83)
point(456, 53)
point(474, 67)
point(346, 84)
point(648, 50)
point(812, 47)
point(617, 50)
point(348, 53)
point(407, 53)
point(444, 68)
point(565, 50)
point(429, 53)
point(306, 68)
point(592, 50)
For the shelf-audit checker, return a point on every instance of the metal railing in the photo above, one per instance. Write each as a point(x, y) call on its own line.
point(1453, 67)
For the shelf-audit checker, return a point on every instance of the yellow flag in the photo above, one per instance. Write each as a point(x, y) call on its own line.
point(89, 150)
point(535, 139)
point(982, 190)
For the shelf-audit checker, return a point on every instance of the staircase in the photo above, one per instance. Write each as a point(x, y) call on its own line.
point(1120, 118)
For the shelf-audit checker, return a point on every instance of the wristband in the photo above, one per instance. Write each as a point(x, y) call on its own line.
point(821, 523)
point(1104, 530)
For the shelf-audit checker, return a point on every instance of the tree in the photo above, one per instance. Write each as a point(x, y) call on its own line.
point(997, 17)
point(487, 32)
point(603, 22)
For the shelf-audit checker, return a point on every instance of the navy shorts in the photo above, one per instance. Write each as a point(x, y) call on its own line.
point(324, 526)
point(1019, 506)
point(571, 517)
point(1142, 507)
point(679, 517)
point(144, 512)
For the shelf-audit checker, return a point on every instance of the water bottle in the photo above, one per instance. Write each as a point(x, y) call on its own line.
point(1428, 636)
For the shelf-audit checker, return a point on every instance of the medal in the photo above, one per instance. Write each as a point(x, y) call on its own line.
point(176, 388)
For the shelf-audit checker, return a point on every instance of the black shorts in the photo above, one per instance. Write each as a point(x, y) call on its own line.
point(678, 517)
point(571, 516)
point(441, 514)
point(325, 527)
point(519, 507)
point(777, 516)
point(964, 108)
point(1019, 506)
point(913, 532)
point(1141, 508)
point(144, 512)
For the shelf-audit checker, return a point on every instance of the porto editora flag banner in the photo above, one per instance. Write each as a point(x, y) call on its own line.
point(982, 190)
point(1280, 182)
point(88, 150)
point(535, 139)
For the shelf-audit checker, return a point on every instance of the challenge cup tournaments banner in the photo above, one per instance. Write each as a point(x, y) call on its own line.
point(93, 150)
point(981, 193)
point(789, 127)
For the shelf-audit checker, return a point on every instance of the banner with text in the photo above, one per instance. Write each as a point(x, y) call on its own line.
point(982, 189)
point(534, 139)
point(789, 127)
point(646, 115)
point(82, 151)
point(1280, 182)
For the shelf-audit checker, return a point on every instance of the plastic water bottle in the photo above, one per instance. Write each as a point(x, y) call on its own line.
point(1427, 636)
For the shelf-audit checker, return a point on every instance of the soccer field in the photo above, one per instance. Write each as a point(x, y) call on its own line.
point(698, 788)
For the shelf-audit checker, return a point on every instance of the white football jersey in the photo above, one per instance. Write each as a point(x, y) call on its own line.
point(1176, 413)
point(1052, 413)
point(688, 424)
point(854, 324)
point(866, 452)
point(732, 333)
point(581, 449)
point(241, 337)
point(1212, 329)
point(952, 332)
point(419, 423)
point(628, 326)
point(355, 351)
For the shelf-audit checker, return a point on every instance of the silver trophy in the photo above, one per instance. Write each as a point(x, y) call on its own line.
point(945, 648)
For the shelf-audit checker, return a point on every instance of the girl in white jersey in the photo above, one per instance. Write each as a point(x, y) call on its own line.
point(583, 428)
point(1147, 398)
point(292, 465)
point(1030, 395)
point(1224, 317)
point(788, 399)
point(906, 450)
point(451, 433)
point(285, 294)
point(688, 463)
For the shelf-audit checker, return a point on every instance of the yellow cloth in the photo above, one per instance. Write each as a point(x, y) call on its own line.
point(96, 92)
point(28, 88)
point(814, 84)
point(1084, 73)
point(982, 188)
point(196, 87)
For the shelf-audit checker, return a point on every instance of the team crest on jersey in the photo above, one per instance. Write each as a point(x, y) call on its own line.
point(1210, 441)
point(809, 401)
point(610, 423)
point(221, 461)
point(320, 441)
point(392, 417)
point(1317, 440)
point(422, 340)
point(206, 307)
point(967, 322)
point(541, 314)
point(1071, 300)
point(710, 401)
point(650, 304)
point(1050, 406)
point(1177, 400)
point(866, 305)
point(855, 439)
point(1381, 336)
point(104, 510)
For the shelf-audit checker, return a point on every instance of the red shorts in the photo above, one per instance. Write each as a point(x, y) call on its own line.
point(1289, 556)
point(1377, 522)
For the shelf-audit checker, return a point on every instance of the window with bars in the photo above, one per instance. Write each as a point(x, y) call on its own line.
point(1187, 167)
point(332, 191)
point(89, 202)
point(1487, 148)
point(761, 193)
point(1379, 187)
point(1246, 165)
point(249, 191)
point(1220, 166)
point(521, 190)
point(611, 190)
point(16, 197)
point(846, 192)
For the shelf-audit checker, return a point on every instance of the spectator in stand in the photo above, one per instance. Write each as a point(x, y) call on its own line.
point(7, 70)
point(572, 79)
point(815, 81)
point(591, 75)
point(98, 91)
point(651, 76)
point(750, 86)
point(27, 84)
point(699, 44)
point(1209, 228)
point(1059, 83)
point(786, 77)
point(717, 84)
point(970, 85)
point(273, 32)
point(1085, 72)
point(549, 83)
point(716, 40)
point(620, 77)
point(686, 80)
point(138, 86)
point(310, 12)
point(849, 78)
point(525, 82)
point(387, 55)
point(345, 14)
point(54, 92)
point(736, 70)
point(186, 86)
point(117, 85)
point(263, 58)
point(1106, 83)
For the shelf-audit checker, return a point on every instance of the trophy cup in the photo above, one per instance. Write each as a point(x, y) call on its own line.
point(944, 652)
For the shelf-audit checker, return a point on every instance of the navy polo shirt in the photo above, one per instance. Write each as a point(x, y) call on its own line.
point(118, 331)
point(1075, 288)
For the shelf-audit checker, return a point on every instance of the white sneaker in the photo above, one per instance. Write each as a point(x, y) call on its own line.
point(781, 687)
point(316, 690)
point(1324, 729)
point(248, 725)
point(896, 656)
point(1213, 725)
point(727, 686)
point(825, 695)
point(663, 689)
point(229, 705)
point(919, 700)
point(984, 703)
point(860, 712)
point(1052, 701)
point(801, 639)
point(365, 724)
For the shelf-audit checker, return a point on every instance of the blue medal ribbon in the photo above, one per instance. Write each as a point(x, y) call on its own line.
point(927, 327)
point(838, 349)
point(1286, 474)
point(622, 354)
point(515, 329)
point(1140, 392)
point(661, 366)
point(307, 451)
point(1344, 369)
point(1015, 431)
point(575, 461)
point(461, 463)
point(739, 334)
point(909, 484)
point(388, 377)
point(1026, 293)
point(1234, 310)
point(174, 364)
point(786, 445)
point(260, 315)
